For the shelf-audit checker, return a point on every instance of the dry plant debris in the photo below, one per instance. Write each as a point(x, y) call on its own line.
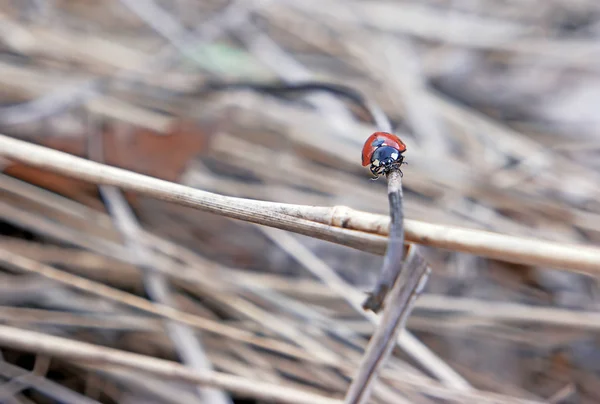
point(125, 280)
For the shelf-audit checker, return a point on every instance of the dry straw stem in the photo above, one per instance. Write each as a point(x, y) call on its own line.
point(392, 263)
point(398, 307)
point(341, 225)
point(81, 351)
point(509, 312)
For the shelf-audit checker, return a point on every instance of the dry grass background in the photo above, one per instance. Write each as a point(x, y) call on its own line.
point(496, 101)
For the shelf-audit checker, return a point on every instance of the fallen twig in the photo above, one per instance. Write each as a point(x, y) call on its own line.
point(341, 225)
point(392, 264)
point(99, 355)
point(399, 305)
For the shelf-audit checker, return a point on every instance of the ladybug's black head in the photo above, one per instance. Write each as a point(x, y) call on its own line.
point(384, 158)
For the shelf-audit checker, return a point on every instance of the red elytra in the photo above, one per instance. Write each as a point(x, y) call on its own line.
point(377, 140)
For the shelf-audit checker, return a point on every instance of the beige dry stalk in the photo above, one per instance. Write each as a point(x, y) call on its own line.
point(341, 225)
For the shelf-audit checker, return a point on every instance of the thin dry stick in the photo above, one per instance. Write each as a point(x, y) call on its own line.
point(400, 303)
point(269, 213)
point(314, 221)
point(26, 379)
point(80, 351)
point(14, 386)
point(392, 264)
point(163, 391)
point(510, 312)
point(53, 318)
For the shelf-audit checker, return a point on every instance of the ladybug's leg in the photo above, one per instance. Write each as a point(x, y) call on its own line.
point(394, 166)
point(375, 172)
point(397, 167)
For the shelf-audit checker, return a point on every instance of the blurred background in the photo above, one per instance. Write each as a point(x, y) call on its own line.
point(497, 102)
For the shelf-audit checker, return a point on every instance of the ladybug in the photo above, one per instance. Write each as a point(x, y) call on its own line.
point(383, 151)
